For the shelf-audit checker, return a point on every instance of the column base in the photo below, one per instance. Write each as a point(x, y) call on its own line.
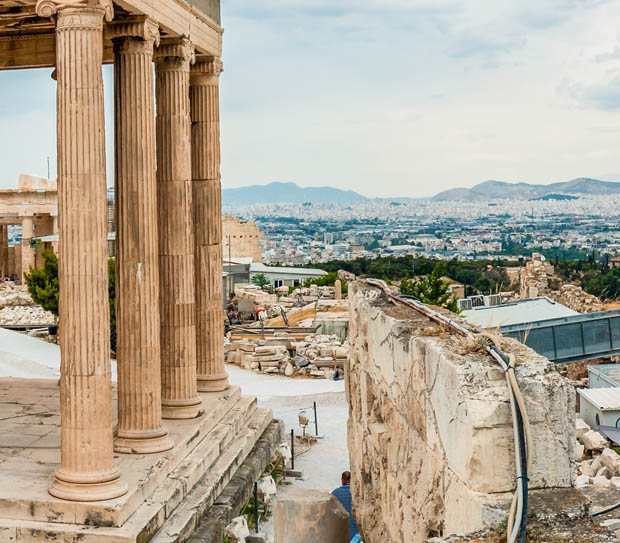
point(87, 492)
point(183, 409)
point(143, 445)
point(213, 383)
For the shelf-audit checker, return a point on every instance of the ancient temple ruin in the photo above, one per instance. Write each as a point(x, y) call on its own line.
point(123, 480)
point(33, 206)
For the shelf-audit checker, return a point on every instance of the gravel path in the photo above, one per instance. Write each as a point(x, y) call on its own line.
point(323, 463)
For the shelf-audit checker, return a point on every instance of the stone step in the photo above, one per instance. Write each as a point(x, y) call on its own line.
point(210, 422)
point(162, 503)
point(186, 518)
point(142, 473)
point(218, 453)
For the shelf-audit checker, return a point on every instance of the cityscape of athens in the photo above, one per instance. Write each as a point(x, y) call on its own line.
point(309, 271)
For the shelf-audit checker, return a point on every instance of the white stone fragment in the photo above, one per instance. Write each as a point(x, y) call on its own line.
point(267, 488)
point(594, 441)
point(284, 451)
point(581, 481)
point(596, 464)
point(586, 468)
point(603, 472)
point(602, 482)
point(581, 427)
point(238, 529)
point(611, 460)
point(579, 451)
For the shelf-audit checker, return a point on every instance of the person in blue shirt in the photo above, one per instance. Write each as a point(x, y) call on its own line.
point(343, 494)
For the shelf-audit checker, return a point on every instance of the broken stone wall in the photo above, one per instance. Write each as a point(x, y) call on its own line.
point(243, 237)
point(430, 432)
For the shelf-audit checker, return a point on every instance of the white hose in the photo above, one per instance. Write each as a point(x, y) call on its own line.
point(512, 526)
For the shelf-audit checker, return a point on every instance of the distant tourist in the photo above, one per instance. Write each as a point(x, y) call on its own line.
point(343, 494)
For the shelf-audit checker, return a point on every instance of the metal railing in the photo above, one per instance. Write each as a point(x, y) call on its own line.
point(569, 339)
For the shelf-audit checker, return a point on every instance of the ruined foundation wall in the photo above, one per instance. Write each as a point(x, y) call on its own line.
point(430, 432)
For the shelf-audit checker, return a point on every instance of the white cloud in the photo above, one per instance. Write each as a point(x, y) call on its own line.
point(390, 97)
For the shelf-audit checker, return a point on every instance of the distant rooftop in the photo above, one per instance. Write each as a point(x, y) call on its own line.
point(518, 312)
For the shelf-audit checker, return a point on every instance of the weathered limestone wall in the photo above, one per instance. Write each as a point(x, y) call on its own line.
point(430, 432)
point(244, 238)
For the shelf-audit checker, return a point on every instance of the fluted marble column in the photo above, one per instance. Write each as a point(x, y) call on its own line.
point(176, 238)
point(138, 353)
point(5, 268)
point(27, 250)
point(207, 211)
point(87, 471)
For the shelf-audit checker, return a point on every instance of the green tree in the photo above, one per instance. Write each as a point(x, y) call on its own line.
point(328, 280)
point(430, 289)
point(112, 290)
point(42, 283)
point(260, 280)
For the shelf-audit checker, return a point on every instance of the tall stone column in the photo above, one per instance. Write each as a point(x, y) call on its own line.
point(87, 471)
point(27, 249)
point(207, 211)
point(5, 268)
point(180, 398)
point(138, 351)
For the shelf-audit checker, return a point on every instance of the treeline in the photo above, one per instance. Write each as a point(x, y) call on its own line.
point(478, 276)
point(592, 274)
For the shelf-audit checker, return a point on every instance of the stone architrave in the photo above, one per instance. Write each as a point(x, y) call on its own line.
point(28, 256)
point(180, 398)
point(138, 354)
point(207, 222)
point(87, 471)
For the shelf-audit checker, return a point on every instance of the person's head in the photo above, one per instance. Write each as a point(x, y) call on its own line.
point(346, 478)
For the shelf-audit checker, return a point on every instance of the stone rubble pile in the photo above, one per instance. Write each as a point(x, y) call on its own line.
point(272, 302)
point(303, 296)
point(577, 299)
point(315, 356)
point(14, 295)
point(26, 315)
point(17, 307)
point(534, 279)
point(598, 462)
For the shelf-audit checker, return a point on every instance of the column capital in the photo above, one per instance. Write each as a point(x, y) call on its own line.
point(175, 50)
point(49, 8)
point(143, 28)
point(206, 71)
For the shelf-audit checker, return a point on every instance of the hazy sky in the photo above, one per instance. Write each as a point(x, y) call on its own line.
point(390, 97)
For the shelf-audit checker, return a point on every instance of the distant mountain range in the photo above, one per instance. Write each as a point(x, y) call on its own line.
point(495, 190)
point(489, 190)
point(288, 193)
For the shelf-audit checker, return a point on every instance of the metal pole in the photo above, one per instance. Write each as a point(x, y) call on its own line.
point(292, 449)
point(230, 284)
point(256, 507)
point(316, 422)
